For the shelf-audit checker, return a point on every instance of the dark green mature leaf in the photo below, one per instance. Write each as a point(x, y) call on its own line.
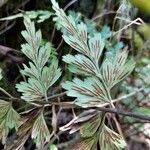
point(113, 71)
point(9, 119)
point(40, 131)
point(89, 90)
point(110, 140)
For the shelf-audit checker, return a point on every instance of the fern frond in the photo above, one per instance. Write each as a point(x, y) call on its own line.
point(40, 76)
point(98, 81)
point(108, 139)
point(88, 63)
point(9, 119)
point(76, 35)
point(40, 131)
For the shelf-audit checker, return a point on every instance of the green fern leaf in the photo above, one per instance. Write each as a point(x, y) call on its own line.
point(81, 64)
point(87, 123)
point(75, 35)
point(9, 119)
point(96, 45)
point(43, 55)
point(89, 90)
point(50, 74)
point(85, 144)
point(33, 38)
point(109, 140)
point(113, 71)
point(40, 131)
point(90, 127)
point(4, 106)
point(30, 71)
point(40, 75)
point(31, 90)
point(63, 20)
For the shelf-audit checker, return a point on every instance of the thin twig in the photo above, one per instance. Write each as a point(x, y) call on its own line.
point(103, 14)
point(131, 23)
point(56, 95)
point(69, 4)
point(7, 28)
point(129, 114)
point(6, 93)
